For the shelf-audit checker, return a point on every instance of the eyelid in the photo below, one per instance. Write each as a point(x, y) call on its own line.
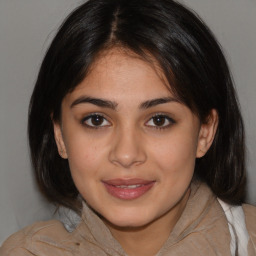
point(91, 115)
point(166, 116)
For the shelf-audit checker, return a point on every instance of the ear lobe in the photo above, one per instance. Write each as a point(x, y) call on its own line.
point(207, 133)
point(59, 140)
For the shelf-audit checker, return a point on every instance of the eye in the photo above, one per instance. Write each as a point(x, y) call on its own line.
point(95, 121)
point(160, 121)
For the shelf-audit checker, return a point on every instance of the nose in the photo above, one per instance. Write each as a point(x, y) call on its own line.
point(127, 149)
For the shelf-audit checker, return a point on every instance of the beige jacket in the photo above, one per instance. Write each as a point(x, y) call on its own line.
point(201, 230)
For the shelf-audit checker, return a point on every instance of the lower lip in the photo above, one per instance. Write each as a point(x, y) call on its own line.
point(128, 193)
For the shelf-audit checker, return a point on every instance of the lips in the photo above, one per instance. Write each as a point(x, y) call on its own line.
point(128, 189)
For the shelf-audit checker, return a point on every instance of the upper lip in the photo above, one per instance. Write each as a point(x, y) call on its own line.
point(127, 182)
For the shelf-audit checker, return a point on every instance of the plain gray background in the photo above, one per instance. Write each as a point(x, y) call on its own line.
point(26, 29)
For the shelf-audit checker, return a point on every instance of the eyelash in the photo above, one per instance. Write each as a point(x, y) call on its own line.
point(91, 126)
point(103, 119)
point(166, 119)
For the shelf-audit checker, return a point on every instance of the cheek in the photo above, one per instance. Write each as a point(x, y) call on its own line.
point(175, 161)
point(85, 164)
point(176, 155)
point(84, 157)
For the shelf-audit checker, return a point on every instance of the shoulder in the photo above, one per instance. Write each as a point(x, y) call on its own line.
point(250, 216)
point(37, 239)
point(249, 209)
point(250, 219)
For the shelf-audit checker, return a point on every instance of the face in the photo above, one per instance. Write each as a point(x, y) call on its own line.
point(131, 145)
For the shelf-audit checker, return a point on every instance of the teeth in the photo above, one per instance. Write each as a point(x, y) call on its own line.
point(129, 186)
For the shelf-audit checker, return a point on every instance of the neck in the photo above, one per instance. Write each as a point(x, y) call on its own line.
point(148, 240)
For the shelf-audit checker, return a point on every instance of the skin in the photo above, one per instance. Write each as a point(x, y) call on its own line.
point(129, 141)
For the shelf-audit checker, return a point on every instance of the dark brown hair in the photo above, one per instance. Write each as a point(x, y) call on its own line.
point(188, 54)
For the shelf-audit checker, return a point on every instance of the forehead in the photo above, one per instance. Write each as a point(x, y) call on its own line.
point(122, 73)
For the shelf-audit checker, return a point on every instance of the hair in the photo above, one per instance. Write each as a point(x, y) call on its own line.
point(191, 60)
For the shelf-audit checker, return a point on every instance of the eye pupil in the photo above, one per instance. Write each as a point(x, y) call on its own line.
point(159, 120)
point(97, 120)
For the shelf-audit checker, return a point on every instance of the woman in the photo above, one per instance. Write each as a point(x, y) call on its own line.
point(135, 126)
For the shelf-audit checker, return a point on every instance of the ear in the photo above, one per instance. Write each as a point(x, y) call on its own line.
point(59, 140)
point(207, 133)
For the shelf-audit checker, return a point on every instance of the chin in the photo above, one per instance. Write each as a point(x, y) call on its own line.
point(127, 224)
point(128, 219)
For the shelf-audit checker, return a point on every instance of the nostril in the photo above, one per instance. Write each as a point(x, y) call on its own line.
point(127, 148)
point(127, 160)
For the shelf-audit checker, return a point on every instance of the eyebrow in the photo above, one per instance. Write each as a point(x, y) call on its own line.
point(154, 102)
point(113, 105)
point(95, 101)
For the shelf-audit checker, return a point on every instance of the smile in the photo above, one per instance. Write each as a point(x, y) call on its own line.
point(128, 189)
point(130, 186)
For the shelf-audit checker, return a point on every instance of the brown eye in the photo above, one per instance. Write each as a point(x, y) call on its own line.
point(95, 121)
point(160, 121)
